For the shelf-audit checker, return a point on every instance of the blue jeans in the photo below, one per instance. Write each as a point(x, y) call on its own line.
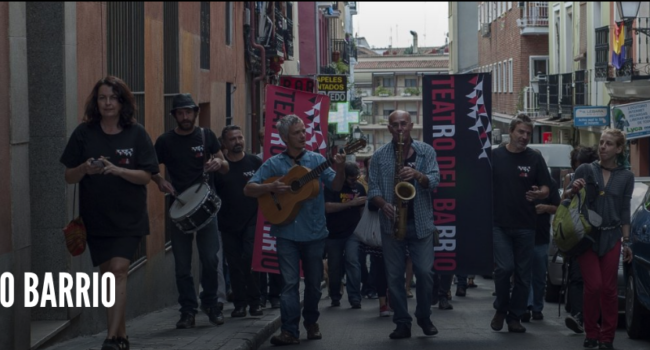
point(421, 253)
point(290, 254)
point(538, 277)
point(513, 253)
point(207, 243)
point(344, 252)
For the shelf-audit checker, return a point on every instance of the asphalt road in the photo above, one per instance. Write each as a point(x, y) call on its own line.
point(467, 326)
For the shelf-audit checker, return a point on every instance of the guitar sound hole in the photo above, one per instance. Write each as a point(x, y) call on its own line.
point(295, 186)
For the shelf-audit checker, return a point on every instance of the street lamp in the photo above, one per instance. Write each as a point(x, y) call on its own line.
point(356, 133)
point(630, 10)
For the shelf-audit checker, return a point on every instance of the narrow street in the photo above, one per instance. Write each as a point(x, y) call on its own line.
point(467, 326)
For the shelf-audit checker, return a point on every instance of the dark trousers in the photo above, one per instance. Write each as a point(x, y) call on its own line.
point(270, 285)
point(575, 287)
point(441, 285)
point(379, 274)
point(238, 251)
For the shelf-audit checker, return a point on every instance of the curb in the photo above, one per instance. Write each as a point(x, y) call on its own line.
point(263, 330)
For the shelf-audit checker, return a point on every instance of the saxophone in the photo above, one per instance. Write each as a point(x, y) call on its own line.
point(404, 192)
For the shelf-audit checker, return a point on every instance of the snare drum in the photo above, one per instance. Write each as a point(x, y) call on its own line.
point(201, 206)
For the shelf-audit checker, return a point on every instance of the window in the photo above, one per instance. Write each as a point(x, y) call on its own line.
point(205, 35)
point(510, 75)
point(125, 59)
point(229, 104)
point(410, 82)
point(509, 5)
point(388, 82)
point(538, 66)
point(504, 73)
point(493, 70)
point(228, 23)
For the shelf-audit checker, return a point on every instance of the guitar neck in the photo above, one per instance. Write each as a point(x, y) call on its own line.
point(315, 173)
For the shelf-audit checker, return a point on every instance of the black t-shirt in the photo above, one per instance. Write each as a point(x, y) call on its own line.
point(237, 210)
point(341, 224)
point(513, 175)
point(183, 155)
point(542, 233)
point(410, 162)
point(108, 204)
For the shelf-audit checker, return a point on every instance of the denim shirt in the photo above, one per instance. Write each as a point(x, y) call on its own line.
point(309, 224)
point(381, 183)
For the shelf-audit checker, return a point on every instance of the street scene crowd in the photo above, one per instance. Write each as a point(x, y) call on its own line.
point(326, 235)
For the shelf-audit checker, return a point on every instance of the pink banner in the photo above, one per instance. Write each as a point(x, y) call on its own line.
point(313, 110)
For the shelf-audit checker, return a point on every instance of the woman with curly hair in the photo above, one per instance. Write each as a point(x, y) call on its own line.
point(112, 158)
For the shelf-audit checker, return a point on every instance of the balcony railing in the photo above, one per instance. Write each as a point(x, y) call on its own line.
point(542, 98)
point(534, 18)
point(553, 94)
point(531, 106)
point(580, 91)
point(566, 101)
point(383, 119)
point(344, 49)
point(602, 53)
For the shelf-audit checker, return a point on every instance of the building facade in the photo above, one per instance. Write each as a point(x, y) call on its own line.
point(51, 55)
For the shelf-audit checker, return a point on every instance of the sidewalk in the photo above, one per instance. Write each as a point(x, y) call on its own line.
point(157, 331)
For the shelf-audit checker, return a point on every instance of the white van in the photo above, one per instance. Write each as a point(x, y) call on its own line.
point(557, 157)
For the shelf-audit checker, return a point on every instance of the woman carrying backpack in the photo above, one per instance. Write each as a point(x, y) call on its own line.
point(599, 265)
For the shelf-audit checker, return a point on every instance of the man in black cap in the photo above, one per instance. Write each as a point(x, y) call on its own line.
point(182, 150)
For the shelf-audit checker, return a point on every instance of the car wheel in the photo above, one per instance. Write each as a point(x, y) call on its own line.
point(636, 320)
point(552, 294)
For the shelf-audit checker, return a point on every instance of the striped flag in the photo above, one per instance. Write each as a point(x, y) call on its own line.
point(618, 50)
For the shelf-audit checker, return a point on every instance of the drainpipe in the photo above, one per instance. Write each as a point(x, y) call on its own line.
point(255, 120)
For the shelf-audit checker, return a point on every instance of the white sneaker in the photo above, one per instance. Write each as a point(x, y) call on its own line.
point(573, 323)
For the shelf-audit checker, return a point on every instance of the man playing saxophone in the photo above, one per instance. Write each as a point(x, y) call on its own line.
point(409, 168)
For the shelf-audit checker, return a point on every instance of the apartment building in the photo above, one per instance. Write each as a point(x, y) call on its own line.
point(390, 79)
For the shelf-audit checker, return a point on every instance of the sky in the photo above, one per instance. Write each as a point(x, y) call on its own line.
point(379, 21)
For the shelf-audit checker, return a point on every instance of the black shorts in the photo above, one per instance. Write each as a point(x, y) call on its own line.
point(104, 248)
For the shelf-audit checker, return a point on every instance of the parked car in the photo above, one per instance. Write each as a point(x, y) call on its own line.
point(554, 274)
point(637, 273)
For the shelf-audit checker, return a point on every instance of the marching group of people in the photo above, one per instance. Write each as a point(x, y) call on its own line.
point(112, 158)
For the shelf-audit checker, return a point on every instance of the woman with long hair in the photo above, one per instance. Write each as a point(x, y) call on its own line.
point(599, 265)
point(112, 158)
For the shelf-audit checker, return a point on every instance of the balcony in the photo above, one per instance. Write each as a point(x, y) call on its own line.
point(370, 122)
point(352, 5)
point(602, 53)
point(392, 93)
point(344, 49)
point(534, 18)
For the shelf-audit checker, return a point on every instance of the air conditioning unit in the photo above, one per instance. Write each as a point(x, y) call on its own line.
point(485, 29)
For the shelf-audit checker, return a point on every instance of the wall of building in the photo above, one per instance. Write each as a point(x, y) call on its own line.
point(51, 55)
point(465, 36)
point(307, 39)
point(506, 42)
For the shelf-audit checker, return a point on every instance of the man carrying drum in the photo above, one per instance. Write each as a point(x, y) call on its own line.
point(182, 150)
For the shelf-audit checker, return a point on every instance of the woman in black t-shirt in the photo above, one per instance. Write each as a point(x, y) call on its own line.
point(112, 158)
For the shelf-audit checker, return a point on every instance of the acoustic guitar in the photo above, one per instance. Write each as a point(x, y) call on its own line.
point(281, 209)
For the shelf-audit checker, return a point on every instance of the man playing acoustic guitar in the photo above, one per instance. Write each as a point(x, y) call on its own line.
point(303, 237)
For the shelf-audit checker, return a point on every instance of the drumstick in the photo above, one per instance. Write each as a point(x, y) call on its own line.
point(178, 199)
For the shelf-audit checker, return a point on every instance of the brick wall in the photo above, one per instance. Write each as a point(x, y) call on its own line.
point(506, 42)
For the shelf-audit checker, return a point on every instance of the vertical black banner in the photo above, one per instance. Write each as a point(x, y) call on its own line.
point(457, 122)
